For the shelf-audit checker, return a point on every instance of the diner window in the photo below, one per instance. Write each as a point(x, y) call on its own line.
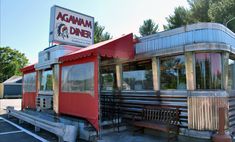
point(172, 70)
point(208, 71)
point(46, 81)
point(29, 82)
point(138, 76)
point(108, 78)
point(231, 74)
point(78, 78)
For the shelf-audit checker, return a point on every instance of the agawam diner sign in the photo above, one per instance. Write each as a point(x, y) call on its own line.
point(69, 27)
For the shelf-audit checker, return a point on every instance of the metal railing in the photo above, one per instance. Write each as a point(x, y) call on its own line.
point(65, 132)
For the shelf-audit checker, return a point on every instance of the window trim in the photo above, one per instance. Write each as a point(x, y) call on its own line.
point(222, 71)
point(40, 79)
point(233, 81)
point(163, 57)
point(90, 92)
point(23, 82)
point(114, 79)
point(123, 64)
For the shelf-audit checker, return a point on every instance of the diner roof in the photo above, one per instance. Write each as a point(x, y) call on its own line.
point(122, 47)
point(199, 36)
point(29, 68)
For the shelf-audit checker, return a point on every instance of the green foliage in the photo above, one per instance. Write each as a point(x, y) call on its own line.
point(149, 27)
point(199, 10)
point(180, 18)
point(219, 11)
point(99, 33)
point(11, 61)
point(222, 11)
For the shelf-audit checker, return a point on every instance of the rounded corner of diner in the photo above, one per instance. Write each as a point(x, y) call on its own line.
point(192, 68)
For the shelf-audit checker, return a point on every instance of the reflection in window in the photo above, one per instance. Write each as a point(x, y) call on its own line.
point(173, 72)
point(46, 81)
point(108, 78)
point(138, 76)
point(29, 82)
point(208, 70)
point(231, 74)
point(78, 78)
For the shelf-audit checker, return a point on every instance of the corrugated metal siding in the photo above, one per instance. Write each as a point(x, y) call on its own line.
point(232, 110)
point(184, 38)
point(131, 103)
point(203, 112)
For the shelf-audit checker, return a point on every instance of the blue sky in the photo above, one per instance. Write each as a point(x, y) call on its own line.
point(24, 24)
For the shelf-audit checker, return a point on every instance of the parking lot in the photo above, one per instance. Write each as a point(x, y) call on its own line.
point(12, 131)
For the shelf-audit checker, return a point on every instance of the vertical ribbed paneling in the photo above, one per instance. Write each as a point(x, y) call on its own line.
point(203, 112)
point(184, 38)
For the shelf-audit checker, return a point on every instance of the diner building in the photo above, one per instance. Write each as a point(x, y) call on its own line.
point(191, 67)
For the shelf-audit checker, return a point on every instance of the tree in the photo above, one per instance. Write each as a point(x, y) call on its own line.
point(149, 27)
point(11, 61)
point(199, 10)
point(222, 11)
point(180, 18)
point(219, 11)
point(99, 33)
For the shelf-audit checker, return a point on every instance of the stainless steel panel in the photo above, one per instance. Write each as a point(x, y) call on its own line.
point(51, 55)
point(56, 88)
point(189, 35)
point(203, 112)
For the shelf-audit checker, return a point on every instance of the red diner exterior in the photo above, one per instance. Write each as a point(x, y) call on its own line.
point(108, 83)
point(83, 104)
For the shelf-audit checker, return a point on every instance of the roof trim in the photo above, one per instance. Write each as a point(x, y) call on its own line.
point(29, 68)
point(186, 28)
point(122, 47)
point(13, 79)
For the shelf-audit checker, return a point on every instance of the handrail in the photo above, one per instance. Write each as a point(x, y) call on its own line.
point(65, 132)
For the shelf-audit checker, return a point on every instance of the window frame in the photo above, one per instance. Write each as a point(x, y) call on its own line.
point(222, 71)
point(35, 83)
point(40, 80)
point(90, 92)
point(233, 81)
point(127, 63)
point(114, 80)
point(160, 72)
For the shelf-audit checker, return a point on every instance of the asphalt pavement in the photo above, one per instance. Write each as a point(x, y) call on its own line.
point(12, 131)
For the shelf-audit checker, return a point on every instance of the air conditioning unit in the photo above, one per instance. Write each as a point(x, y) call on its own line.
point(44, 102)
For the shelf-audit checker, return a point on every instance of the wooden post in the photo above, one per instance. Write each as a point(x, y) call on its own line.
point(39, 75)
point(99, 97)
point(56, 88)
point(1, 90)
point(156, 73)
point(119, 76)
point(189, 66)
